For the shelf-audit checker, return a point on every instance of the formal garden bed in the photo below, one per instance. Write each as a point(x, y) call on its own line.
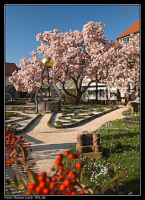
point(131, 117)
point(18, 118)
point(122, 147)
point(134, 119)
point(74, 115)
point(116, 173)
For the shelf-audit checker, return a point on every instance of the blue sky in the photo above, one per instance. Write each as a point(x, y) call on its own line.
point(24, 22)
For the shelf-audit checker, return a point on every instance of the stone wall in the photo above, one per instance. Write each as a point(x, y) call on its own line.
point(52, 106)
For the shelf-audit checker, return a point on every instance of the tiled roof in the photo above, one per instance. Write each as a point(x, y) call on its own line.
point(10, 68)
point(8, 88)
point(116, 43)
point(134, 28)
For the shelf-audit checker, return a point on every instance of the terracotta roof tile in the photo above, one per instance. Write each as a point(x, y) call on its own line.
point(116, 43)
point(8, 88)
point(10, 68)
point(134, 28)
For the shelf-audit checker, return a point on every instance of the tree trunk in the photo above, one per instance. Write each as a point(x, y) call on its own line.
point(128, 90)
point(127, 96)
point(78, 98)
point(78, 90)
point(36, 102)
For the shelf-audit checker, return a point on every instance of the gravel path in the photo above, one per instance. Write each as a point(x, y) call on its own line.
point(47, 142)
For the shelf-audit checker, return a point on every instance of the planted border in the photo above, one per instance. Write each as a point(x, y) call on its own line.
point(18, 131)
point(127, 119)
point(81, 121)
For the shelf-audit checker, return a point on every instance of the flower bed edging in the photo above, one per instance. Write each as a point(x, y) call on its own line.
point(81, 121)
point(130, 121)
point(19, 131)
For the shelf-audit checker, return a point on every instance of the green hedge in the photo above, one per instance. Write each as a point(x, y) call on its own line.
point(18, 131)
point(15, 102)
point(85, 119)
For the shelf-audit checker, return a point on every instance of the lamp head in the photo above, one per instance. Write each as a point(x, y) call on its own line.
point(47, 61)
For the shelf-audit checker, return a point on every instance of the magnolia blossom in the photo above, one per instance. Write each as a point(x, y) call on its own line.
point(27, 79)
point(77, 55)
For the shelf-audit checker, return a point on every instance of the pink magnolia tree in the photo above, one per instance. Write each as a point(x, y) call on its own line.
point(73, 57)
point(123, 65)
point(77, 55)
point(28, 78)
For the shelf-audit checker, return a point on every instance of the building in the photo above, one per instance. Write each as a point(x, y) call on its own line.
point(103, 92)
point(68, 85)
point(98, 91)
point(10, 91)
point(9, 69)
point(125, 36)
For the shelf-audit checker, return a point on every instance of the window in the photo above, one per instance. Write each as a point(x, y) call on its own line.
point(102, 93)
point(65, 85)
point(71, 85)
point(127, 39)
point(111, 94)
point(60, 86)
point(90, 92)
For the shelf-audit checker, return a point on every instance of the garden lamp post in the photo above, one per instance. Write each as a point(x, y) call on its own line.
point(47, 63)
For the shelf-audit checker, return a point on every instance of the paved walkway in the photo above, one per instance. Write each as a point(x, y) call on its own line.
point(47, 142)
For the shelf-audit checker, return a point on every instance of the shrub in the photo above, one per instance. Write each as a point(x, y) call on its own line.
point(110, 106)
point(126, 112)
point(59, 123)
point(64, 115)
point(76, 116)
point(135, 117)
point(63, 118)
point(14, 125)
point(23, 110)
point(66, 179)
point(72, 121)
point(25, 117)
point(11, 114)
point(15, 102)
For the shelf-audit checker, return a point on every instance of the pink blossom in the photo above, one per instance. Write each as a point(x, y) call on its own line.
point(77, 55)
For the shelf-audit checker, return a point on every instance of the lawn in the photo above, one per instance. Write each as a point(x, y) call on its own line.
point(122, 143)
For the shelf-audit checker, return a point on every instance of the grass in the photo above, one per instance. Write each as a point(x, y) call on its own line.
point(127, 112)
point(122, 143)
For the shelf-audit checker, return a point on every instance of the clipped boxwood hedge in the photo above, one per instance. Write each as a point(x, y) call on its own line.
point(18, 131)
point(15, 102)
point(79, 122)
